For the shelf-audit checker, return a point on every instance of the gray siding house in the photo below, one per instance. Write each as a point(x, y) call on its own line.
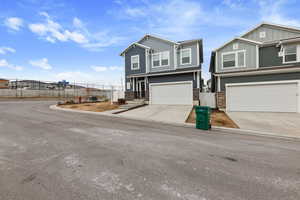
point(259, 71)
point(161, 71)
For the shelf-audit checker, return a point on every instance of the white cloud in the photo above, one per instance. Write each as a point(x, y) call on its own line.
point(104, 68)
point(13, 23)
point(273, 11)
point(116, 68)
point(74, 76)
point(4, 63)
point(99, 68)
point(52, 31)
point(41, 63)
point(4, 50)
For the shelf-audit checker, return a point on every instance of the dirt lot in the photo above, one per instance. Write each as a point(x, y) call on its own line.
point(218, 118)
point(95, 107)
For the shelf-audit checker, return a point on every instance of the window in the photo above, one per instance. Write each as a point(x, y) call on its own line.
point(229, 60)
point(161, 59)
point(262, 34)
point(186, 56)
point(290, 54)
point(156, 60)
point(235, 46)
point(165, 58)
point(128, 86)
point(135, 62)
point(233, 59)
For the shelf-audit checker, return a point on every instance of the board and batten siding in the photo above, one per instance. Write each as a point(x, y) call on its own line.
point(131, 52)
point(272, 33)
point(251, 55)
point(195, 54)
point(159, 46)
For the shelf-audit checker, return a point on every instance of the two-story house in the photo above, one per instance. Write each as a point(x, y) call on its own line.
point(161, 71)
point(259, 71)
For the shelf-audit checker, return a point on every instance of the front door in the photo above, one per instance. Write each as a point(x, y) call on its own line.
point(141, 89)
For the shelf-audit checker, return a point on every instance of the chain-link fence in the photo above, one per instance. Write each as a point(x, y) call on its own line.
point(61, 90)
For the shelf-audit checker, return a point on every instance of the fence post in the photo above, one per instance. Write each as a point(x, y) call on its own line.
point(112, 94)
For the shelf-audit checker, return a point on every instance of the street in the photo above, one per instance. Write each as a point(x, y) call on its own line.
point(47, 154)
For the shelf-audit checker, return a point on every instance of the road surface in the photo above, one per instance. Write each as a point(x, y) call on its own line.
point(47, 154)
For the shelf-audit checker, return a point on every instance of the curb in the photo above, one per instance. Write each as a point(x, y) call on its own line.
point(187, 125)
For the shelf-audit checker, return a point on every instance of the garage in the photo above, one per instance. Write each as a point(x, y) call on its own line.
point(171, 93)
point(281, 96)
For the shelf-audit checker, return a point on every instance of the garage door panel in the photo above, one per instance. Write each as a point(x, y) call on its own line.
point(263, 98)
point(172, 93)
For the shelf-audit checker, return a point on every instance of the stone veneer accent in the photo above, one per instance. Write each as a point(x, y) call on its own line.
point(221, 99)
point(147, 95)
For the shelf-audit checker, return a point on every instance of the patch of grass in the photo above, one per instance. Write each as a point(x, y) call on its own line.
point(95, 107)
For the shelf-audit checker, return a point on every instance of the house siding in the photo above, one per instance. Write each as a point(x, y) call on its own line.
point(268, 57)
point(250, 56)
point(272, 33)
point(259, 78)
point(195, 56)
point(159, 46)
point(131, 52)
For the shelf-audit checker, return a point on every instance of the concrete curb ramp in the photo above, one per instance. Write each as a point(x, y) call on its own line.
point(223, 129)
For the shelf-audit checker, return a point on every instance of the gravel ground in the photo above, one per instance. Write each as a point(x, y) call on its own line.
point(47, 154)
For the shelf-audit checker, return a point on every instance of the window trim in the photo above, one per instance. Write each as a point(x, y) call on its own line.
point(190, 55)
point(160, 59)
point(236, 59)
point(131, 63)
point(297, 55)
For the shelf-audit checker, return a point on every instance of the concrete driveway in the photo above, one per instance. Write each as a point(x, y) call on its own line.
point(281, 124)
point(161, 113)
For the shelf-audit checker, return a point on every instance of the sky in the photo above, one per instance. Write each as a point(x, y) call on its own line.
point(80, 41)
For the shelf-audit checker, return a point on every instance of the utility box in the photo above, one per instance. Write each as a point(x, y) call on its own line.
point(203, 117)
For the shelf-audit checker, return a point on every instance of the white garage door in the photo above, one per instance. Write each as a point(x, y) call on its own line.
point(262, 97)
point(180, 93)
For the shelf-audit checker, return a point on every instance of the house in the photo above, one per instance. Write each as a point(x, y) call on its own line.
point(162, 71)
point(4, 83)
point(259, 71)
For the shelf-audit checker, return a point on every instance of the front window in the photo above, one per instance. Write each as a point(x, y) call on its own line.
point(135, 62)
point(156, 60)
point(234, 59)
point(229, 60)
point(290, 54)
point(186, 56)
point(165, 58)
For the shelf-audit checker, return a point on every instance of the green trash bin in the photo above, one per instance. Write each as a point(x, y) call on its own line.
point(203, 117)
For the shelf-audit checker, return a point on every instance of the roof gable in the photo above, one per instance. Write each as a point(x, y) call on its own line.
point(133, 45)
point(156, 37)
point(277, 26)
point(240, 39)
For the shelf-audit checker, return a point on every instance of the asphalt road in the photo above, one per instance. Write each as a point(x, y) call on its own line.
point(47, 154)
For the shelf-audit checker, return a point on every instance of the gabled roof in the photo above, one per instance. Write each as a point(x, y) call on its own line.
point(134, 44)
point(291, 28)
point(157, 37)
point(189, 41)
point(239, 38)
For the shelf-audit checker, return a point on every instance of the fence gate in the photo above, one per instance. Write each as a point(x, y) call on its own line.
point(208, 99)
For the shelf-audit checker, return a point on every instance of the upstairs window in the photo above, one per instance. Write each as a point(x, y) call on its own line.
point(156, 60)
point(186, 56)
point(135, 62)
point(165, 58)
point(233, 59)
point(161, 59)
point(290, 54)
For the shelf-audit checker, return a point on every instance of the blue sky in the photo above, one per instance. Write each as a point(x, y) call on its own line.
point(81, 40)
